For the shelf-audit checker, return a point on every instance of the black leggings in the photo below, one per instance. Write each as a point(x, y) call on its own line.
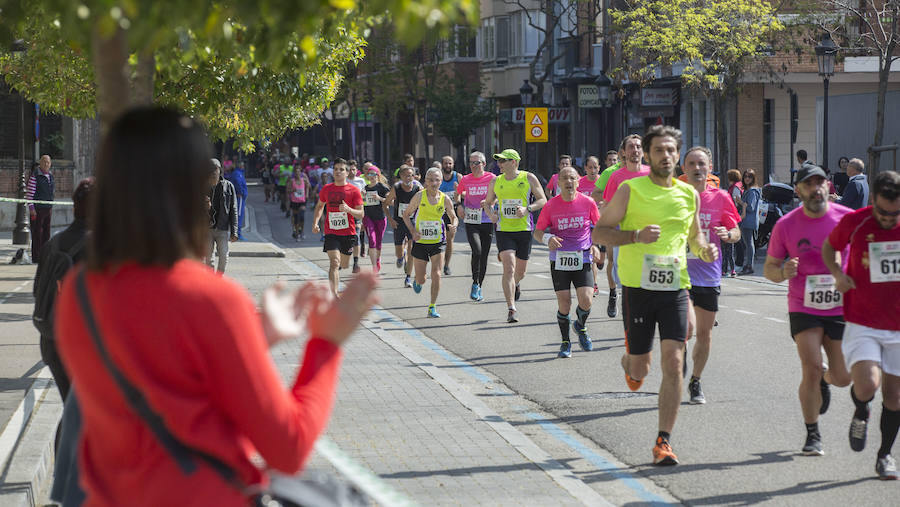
point(480, 250)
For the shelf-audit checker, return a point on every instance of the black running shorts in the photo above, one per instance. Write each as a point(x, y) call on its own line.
point(519, 241)
point(427, 250)
point(801, 321)
point(706, 297)
point(643, 310)
point(343, 244)
point(401, 233)
point(562, 280)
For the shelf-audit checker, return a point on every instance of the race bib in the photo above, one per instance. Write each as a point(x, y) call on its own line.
point(510, 208)
point(568, 261)
point(371, 198)
point(473, 216)
point(430, 230)
point(299, 195)
point(451, 194)
point(401, 208)
point(820, 293)
point(884, 261)
point(338, 220)
point(763, 211)
point(660, 272)
point(690, 254)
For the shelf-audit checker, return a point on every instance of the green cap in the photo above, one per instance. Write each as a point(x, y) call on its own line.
point(509, 154)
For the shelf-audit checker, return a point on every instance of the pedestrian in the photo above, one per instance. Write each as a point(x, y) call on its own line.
point(871, 344)
point(449, 183)
point(235, 174)
point(205, 368)
point(512, 190)
point(472, 189)
point(750, 200)
point(564, 225)
point(299, 189)
point(815, 309)
point(429, 234)
point(856, 191)
point(729, 249)
point(399, 197)
point(719, 224)
point(342, 203)
point(375, 221)
point(40, 187)
point(223, 223)
point(654, 218)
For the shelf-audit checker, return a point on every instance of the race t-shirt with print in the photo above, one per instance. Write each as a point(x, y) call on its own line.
point(797, 235)
point(874, 266)
point(475, 190)
point(337, 221)
point(571, 222)
point(586, 185)
point(620, 176)
point(716, 210)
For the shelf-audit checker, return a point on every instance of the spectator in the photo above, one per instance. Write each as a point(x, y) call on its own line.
point(733, 176)
point(856, 193)
point(204, 368)
point(40, 188)
point(223, 221)
point(749, 219)
point(235, 174)
point(841, 177)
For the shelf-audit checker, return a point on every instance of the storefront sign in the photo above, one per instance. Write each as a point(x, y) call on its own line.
point(589, 97)
point(658, 97)
point(554, 114)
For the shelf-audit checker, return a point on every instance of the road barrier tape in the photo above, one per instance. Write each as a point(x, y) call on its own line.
point(32, 201)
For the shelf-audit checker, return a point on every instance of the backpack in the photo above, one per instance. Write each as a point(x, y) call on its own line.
point(53, 267)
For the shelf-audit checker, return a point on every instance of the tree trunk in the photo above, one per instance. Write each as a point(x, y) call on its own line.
point(110, 57)
point(142, 92)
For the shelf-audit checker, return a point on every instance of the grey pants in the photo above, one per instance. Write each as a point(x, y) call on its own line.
point(218, 243)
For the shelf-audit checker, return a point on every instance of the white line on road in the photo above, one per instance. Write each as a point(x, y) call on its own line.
point(541, 276)
point(722, 306)
point(745, 312)
point(497, 264)
point(773, 319)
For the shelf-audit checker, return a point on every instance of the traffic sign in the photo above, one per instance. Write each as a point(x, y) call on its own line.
point(536, 125)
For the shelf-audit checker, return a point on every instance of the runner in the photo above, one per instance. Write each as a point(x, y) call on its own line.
point(564, 225)
point(359, 182)
point(586, 185)
point(814, 306)
point(657, 216)
point(514, 224)
point(298, 189)
point(630, 167)
point(342, 201)
point(552, 188)
point(285, 172)
point(719, 224)
point(401, 193)
point(430, 205)
point(473, 189)
point(612, 165)
point(448, 186)
point(375, 221)
point(871, 344)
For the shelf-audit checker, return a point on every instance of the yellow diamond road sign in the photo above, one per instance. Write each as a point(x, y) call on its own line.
point(536, 124)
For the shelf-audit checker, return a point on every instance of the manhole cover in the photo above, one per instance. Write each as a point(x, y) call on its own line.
point(610, 396)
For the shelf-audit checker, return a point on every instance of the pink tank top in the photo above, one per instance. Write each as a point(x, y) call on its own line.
point(298, 192)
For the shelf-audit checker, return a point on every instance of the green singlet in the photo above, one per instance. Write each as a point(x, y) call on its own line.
point(604, 176)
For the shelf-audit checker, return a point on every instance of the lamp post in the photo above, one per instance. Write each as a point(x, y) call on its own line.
point(825, 53)
point(526, 94)
point(22, 233)
point(604, 87)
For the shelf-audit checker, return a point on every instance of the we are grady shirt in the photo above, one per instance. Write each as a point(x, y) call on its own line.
point(716, 210)
point(571, 222)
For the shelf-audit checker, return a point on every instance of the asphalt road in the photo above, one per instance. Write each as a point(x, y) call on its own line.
point(742, 447)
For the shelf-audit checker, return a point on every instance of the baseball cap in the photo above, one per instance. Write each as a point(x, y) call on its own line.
point(808, 171)
point(508, 154)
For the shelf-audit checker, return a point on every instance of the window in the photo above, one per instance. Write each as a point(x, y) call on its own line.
point(461, 43)
point(487, 39)
point(502, 32)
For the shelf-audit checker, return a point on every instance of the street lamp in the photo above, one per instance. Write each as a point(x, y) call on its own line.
point(526, 93)
point(604, 88)
point(22, 233)
point(825, 53)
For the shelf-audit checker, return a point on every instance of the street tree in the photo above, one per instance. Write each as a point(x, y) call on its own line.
point(715, 41)
point(458, 108)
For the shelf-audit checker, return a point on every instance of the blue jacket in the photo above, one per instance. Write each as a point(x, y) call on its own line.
point(751, 198)
point(856, 193)
point(236, 177)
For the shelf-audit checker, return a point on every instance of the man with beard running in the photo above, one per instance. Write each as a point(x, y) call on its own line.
point(473, 189)
point(652, 219)
point(815, 309)
point(719, 224)
point(565, 227)
point(449, 182)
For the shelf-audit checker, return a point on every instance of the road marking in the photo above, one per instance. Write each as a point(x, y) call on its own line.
point(541, 276)
point(723, 306)
point(745, 312)
point(497, 264)
point(773, 319)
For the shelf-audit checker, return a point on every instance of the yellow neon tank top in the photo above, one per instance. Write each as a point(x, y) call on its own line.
point(429, 220)
point(512, 193)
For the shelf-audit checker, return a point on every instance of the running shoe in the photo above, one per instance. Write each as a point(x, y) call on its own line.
point(662, 453)
point(356, 268)
point(696, 392)
point(378, 266)
point(447, 270)
point(611, 307)
point(407, 282)
point(416, 287)
point(813, 446)
point(746, 271)
point(512, 316)
point(858, 429)
point(432, 311)
point(733, 274)
point(886, 468)
point(826, 396)
point(518, 293)
point(565, 349)
point(400, 262)
point(583, 338)
point(633, 384)
point(596, 290)
point(479, 297)
point(473, 294)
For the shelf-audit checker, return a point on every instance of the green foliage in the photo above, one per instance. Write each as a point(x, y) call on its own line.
point(458, 108)
point(715, 39)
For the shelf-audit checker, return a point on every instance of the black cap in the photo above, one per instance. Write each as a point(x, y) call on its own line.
point(807, 171)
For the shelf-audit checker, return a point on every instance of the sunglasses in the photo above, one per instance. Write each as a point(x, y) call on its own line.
point(886, 213)
point(501, 160)
point(476, 162)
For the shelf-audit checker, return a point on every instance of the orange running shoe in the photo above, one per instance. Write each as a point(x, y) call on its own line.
point(633, 384)
point(662, 453)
